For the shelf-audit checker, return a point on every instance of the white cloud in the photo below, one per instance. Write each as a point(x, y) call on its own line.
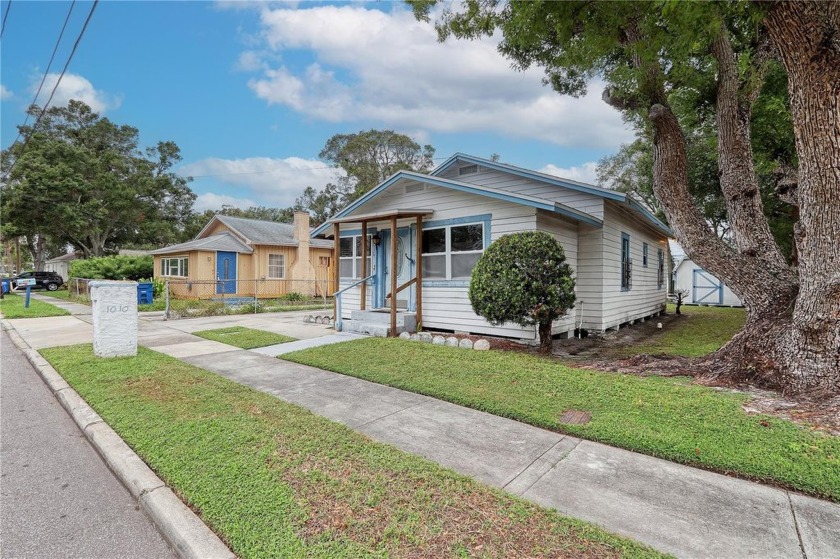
point(211, 201)
point(5, 93)
point(582, 173)
point(388, 67)
point(74, 86)
point(276, 181)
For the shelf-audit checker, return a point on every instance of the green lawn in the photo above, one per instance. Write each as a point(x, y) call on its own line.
point(246, 338)
point(274, 480)
point(12, 306)
point(664, 417)
point(696, 332)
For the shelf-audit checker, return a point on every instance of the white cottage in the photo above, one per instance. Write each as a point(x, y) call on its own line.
point(436, 226)
point(702, 287)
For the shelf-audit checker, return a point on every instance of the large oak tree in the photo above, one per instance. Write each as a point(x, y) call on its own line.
point(652, 53)
point(83, 180)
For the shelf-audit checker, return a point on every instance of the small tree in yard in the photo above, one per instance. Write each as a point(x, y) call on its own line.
point(523, 278)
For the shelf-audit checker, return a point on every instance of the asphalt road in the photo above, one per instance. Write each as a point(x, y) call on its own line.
point(57, 496)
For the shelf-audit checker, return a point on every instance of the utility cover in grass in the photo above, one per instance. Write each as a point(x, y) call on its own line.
point(245, 338)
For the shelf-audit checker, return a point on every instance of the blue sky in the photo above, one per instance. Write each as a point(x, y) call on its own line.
point(251, 91)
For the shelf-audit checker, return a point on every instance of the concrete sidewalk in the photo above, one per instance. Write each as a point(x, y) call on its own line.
point(674, 508)
point(75, 309)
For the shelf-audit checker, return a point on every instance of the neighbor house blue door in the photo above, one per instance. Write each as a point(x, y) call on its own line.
point(225, 272)
point(706, 288)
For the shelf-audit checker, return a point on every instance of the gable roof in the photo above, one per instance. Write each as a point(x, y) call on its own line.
point(577, 186)
point(223, 241)
point(480, 190)
point(255, 231)
point(63, 258)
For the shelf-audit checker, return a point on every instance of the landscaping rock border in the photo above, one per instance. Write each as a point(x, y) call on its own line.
point(183, 530)
point(451, 341)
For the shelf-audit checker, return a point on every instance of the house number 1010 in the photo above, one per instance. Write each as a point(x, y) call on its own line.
point(116, 308)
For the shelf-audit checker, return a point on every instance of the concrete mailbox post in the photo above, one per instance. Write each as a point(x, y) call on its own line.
point(114, 318)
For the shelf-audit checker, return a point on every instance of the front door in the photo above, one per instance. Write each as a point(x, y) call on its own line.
point(225, 272)
point(404, 267)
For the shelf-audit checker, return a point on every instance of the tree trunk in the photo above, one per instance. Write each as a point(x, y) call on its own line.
point(37, 250)
point(546, 340)
point(806, 37)
point(744, 208)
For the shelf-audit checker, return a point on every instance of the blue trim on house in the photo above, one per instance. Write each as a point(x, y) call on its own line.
point(446, 283)
point(556, 181)
point(468, 188)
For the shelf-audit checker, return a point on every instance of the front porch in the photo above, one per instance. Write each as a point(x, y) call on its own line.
point(379, 259)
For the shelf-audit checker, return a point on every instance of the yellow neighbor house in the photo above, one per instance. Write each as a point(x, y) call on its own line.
point(237, 256)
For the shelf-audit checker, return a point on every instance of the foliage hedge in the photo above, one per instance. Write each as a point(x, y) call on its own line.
point(113, 268)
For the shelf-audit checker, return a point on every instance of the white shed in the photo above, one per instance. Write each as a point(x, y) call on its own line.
point(702, 287)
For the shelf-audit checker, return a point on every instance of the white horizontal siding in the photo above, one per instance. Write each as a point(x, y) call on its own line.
point(644, 297)
point(351, 298)
point(593, 205)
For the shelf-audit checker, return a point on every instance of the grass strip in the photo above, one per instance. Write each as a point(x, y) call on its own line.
point(12, 306)
point(274, 480)
point(696, 332)
point(246, 338)
point(664, 417)
point(58, 294)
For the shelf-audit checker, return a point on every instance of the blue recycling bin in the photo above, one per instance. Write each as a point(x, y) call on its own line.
point(145, 293)
point(6, 285)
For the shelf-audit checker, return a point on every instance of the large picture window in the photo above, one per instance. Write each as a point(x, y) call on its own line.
point(175, 267)
point(452, 252)
point(276, 266)
point(350, 257)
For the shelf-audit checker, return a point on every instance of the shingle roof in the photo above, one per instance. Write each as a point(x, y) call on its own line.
point(268, 232)
point(63, 258)
point(222, 241)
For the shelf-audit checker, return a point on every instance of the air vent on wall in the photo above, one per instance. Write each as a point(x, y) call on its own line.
point(412, 188)
point(467, 170)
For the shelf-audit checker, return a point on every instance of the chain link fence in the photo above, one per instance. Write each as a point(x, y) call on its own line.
point(185, 298)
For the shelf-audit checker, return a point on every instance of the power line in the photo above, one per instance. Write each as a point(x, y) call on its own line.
point(5, 17)
point(52, 93)
point(49, 65)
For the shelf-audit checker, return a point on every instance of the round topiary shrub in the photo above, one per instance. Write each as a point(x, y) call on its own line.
point(523, 278)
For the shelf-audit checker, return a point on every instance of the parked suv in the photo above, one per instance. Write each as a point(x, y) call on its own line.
point(43, 280)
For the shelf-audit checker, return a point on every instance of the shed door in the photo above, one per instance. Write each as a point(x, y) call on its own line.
point(225, 272)
point(706, 288)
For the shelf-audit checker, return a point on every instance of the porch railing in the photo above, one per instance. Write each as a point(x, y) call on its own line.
point(338, 295)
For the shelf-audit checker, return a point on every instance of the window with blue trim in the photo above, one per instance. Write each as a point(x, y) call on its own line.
point(350, 257)
point(644, 255)
point(626, 263)
point(660, 272)
point(451, 252)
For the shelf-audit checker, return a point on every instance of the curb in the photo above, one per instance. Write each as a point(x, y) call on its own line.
point(182, 529)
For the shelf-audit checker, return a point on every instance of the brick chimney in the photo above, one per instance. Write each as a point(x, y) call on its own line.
point(303, 269)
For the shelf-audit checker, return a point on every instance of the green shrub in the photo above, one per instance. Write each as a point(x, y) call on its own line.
point(523, 278)
point(113, 268)
point(293, 296)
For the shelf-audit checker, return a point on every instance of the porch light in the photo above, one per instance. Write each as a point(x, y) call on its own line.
point(377, 240)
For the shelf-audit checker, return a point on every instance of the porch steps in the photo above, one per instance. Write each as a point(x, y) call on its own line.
point(377, 322)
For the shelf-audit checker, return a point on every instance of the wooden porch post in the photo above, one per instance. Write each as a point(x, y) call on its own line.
point(419, 271)
point(336, 266)
point(364, 265)
point(393, 271)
